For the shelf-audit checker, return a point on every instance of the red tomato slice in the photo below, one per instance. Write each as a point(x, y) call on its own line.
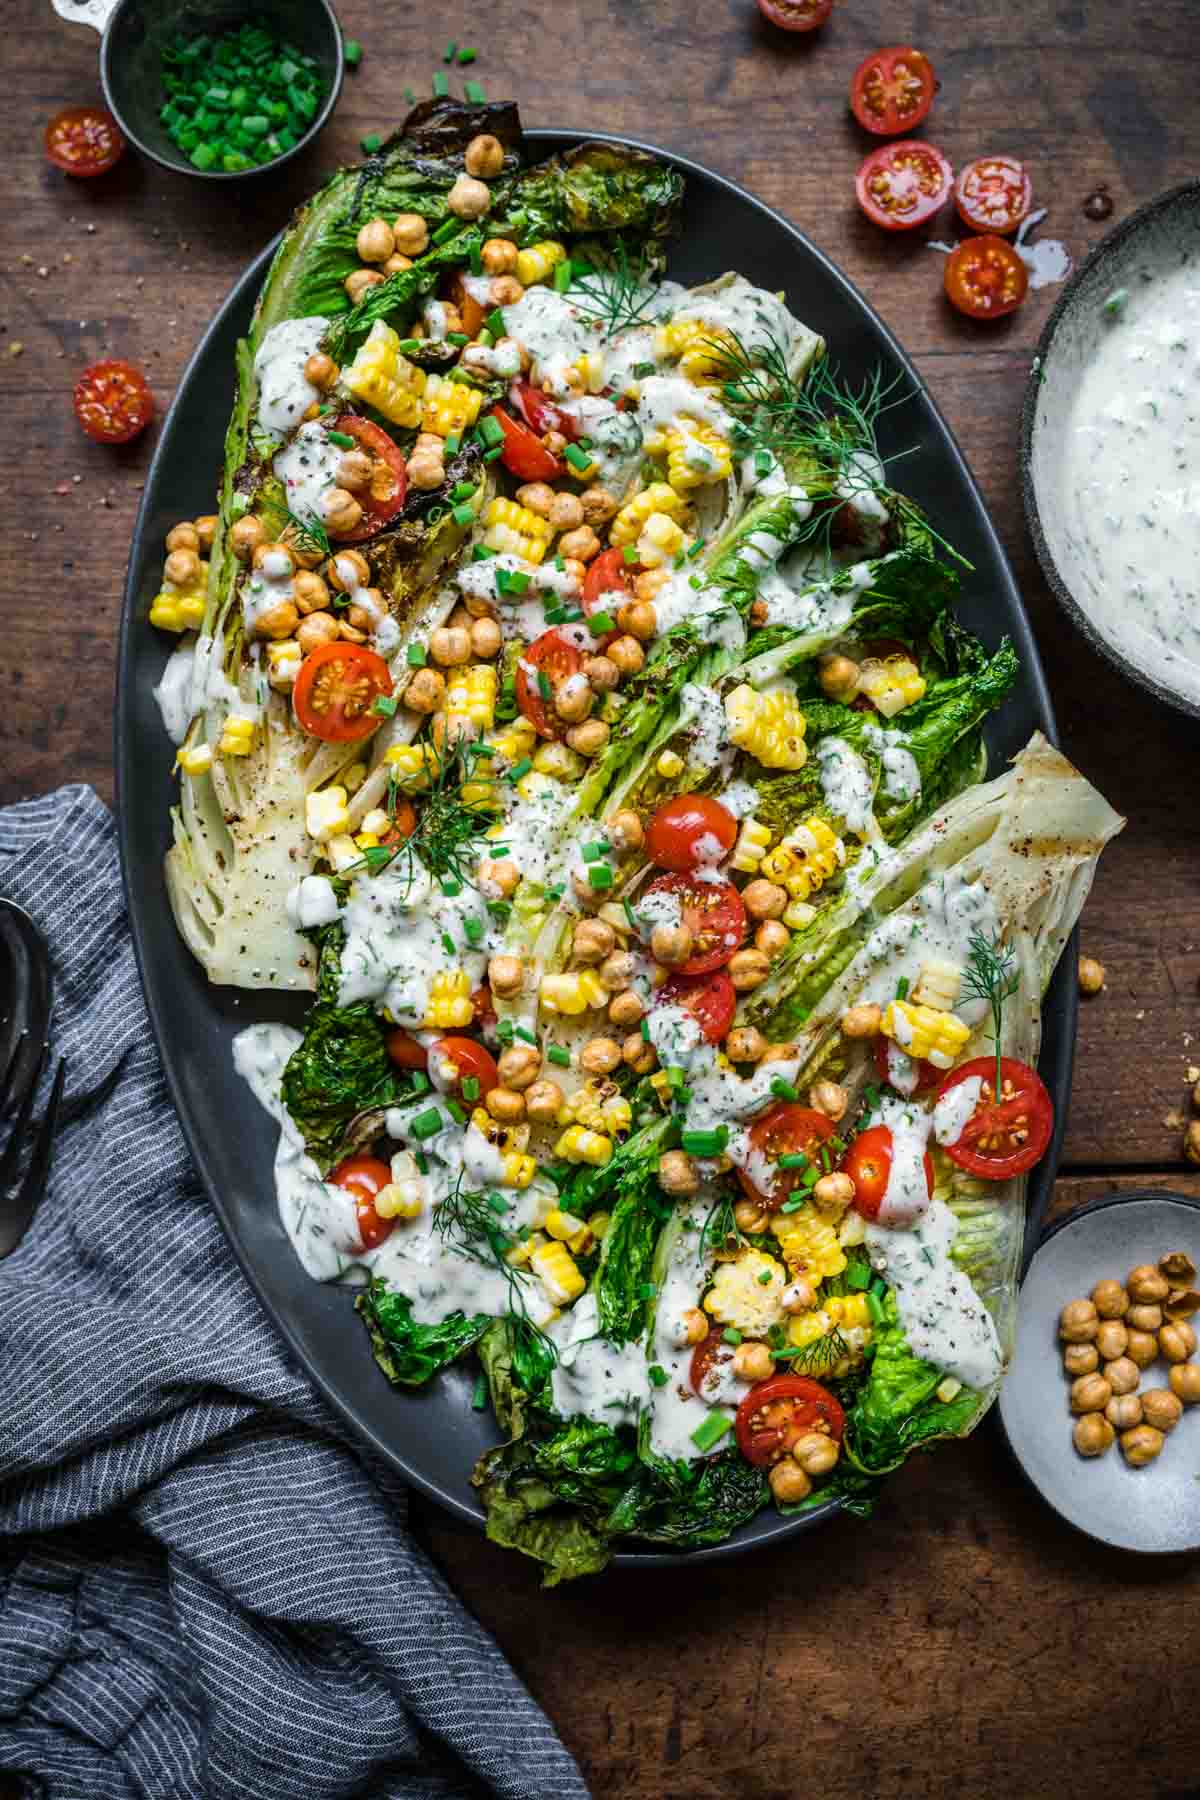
point(471, 312)
point(796, 15)
point(540, 412)
point(902, 185)
point(363, 1176)
point(112, 402)
point(707, 1358)
point(405, 1050)
point(524, 454)
point(712, 999)
point(553, 657)
point(999, 1141)
point(927, 1075)
point(985, 278)
point(993, 193)
point(690, 832)
point(389, 478)
point(465, 1058)
point(336, 691)
point(778, 1412)
point(84, 140)
point(868, 1163)
point(892, 90)
point(607, 585)
point(789, 1129)
point(713, 913)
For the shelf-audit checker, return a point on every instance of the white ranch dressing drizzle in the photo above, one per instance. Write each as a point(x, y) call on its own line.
point(385, 633)
point(267, 586)
point(906, 1196)
point(307, 467)
point(395, 924)
point(594, 1378)
point(675, 1410)
point(944, 1319)
point(284, 395)
point(174, 690)
point(901, 779)
point(954, 1109)
point(936, 923)
point(846, 783)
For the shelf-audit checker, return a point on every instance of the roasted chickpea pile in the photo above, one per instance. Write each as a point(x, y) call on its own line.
point(1110, 1338)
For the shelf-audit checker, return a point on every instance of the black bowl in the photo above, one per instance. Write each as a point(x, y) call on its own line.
point(130, 70)
point(433, 1437)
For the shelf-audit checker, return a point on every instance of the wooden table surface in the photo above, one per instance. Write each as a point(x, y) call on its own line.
point(964, 1642)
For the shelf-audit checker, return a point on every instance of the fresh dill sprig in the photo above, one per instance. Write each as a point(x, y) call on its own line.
point(312, 535)
point(992, 976)
point(470, 1226)
point(617, 297)
point(820, 1353)
point(449, 836)
point(720, 1230)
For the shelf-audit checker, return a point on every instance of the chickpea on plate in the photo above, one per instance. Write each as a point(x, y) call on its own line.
point(1110, 1338)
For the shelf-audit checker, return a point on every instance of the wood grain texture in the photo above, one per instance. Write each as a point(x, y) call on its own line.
point(998, 1654)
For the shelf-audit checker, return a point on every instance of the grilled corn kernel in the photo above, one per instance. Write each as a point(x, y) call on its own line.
point(385, 379)
point(669, 765)
point(660, 541)
point(555, 1268)
point(697, 454)
point(579, 1145)
point(938, 984)
point(770, 726)
point(471, 695)
point(326, 812)
point(575, 1233)
point(450, 406)
point(413, 764)
point(516, 531)
point(573, 993)
point(890, 683)
point(538, 262)
point(626, 528)
point(805, 859)
point(449, 1000)
point(751, 846)
point(924, 1033)
point(197, 760)
point(401, 1199)
point(809, 1244)
point(237, 735)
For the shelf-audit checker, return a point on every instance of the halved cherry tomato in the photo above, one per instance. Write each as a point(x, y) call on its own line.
point(363, 1176)
point(927, 1075)
point(84, 140)
point(540, 412)
point(868, 1163)
point(789, 1129)
point(389, 477)
point(796, 15)
point(690, 832)
point(708, 1356)
point(524, 454)
point(470, 310)
point(713, 913)
point(336, 691)
point(902, 185)
point(711, 999)
point(985, 278)
point(999, 1141)
point(555, 658)
point(607, 585)
point(404, 821)
point(993, 193)
point(406, 1051)
point(469, 1059)
point(892, 90)
point(778, 1412)
point(112, 402)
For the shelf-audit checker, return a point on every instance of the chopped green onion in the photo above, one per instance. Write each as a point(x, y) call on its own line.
point(491, 431)
point(732, 1336)
point(707, 1142)
point(875, 1307)
point(647, 1290)
point(794, 1159)
point(467, 55)
point(657, 1375)
point(441, 87)
point(519, 769)
point(343, 438)
point(795, 1203)
point(642, 369)
point(445, 231)
point(629, 553)
point(493, 453)
point(497, 1202)
point(474, 93)
point(456, 1112)
point(353, 52)
point(902, 988)
point(495, 324)
point(858, 1276)
point(427, 1124)
point(448, 944)
point(474, 930)
point(784, 1090)
point(407, 346)
point(385, 705)
point(479, 1394)
point(555, 891)
point(555, 615)
point(645, 1028)
point(555, 1053)
point(415, 656)
point(462, 490)
point(562, 277)
point(449, 52)
point(504, 1030)
point(462, 515)
point(710, 1431)
point(421, 1083)
point(601, 622)
point(544, 686)
point(458, 338)
point(454, 440)
point(630, 915)
point(600, 875)
point(594, 850)
point(578, 459)
point(764, 1279)
point(370, 144)
point(524, 1032)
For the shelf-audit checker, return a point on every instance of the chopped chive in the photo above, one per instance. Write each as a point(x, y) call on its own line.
point(875, 1307)
point(676, 1076)
point(474, 93)
point(462, 490)
point(795, 1203)
point(479, 1393)
point(784, 1090)
point(657, 1375)
point(795, 1159)
point(370, 144)
point(456, 1112)
point(764, 462)
point(448, 53)
point(444, 231)
point(415, 656)
point(594, 850)
point(555, 1053)
point(695, 581)
point(695, 549)
point(518, 769)
point(902, 988)
point(454, 441)
point(710, 1431)
point(562, 277)
point(384, 705)
point(462, 515)
point(448, 944)
point(473, 929)
point(578, 459)
point(491, 431)
point(420, 1082)
point(527, 1036)
point(441, 87)
point(427, 1124)
point(601, 622)
point(600, 875)
point(343, 438)
point(709, 1142)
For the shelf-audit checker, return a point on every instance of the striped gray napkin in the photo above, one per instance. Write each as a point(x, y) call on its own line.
point(206, 1589)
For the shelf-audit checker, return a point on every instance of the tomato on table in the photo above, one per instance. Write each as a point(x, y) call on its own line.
point(540, 413)
point(524, 454)
point(607, 585)
point(868, 1163)
point(552, 658)
point(993, 193)
point(709, 1357)
point(1004, 1138)
point(389, 478)
point(713, 913)
point(336, 690)
point(453, 1060)
point(892, 90)
point(406, 1051)
point(985, 277)
point(84, 140)
point(788, 1129)
point(928, 1075)
point(690, 831)
point(112, 402)
point(902, 185)
point(778, 1412)
point(363, 1176)
point(711, 1000)
point(796, 15)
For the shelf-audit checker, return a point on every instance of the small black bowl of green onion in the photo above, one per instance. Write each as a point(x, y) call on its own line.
point(221, 90)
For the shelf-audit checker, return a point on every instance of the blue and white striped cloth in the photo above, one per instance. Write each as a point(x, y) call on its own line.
point(206, 1590)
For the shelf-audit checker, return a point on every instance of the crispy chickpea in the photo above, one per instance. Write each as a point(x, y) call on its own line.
point(1093, 1434)
point(1080, 1359)
point(484, 156)
point(280, 621)
point(671, 944)
point(1184, 1380)
point(320, 371)
point(450, 645)
point(1123, 1412)
point(695, 1325)
point(343, 514)
point(354, 471)
point(598, 506)
point(833, 1192)
point(772, 937)
point(538, 496)
point(1162, 1409)
point(639, 619)
point(753, 1362)
point(310, 593)
point(1191, 1141)
point(353, 635)
point(246, 535)
point(505, 1105)
point(543, 1102)
point(1177, 1266)
point(498, 256)
point(485, 639)
point(627, 654)
point(816, 1452)
point(506, 976)
point(519, 1066)
point(789, 1483)
point(748, 1215)
point(566, 513)
point(838, 676)
point(270, 552)
point(748, 969)
point(745, 1045)
point(582, 544)
point(1090, 1393)
point(830, 1098)
point(426, 470)
point(1177, 1341)
point(1181, 1303)
point(798, 1296)
point(1078, 1322)
point(499, 880)
point(183, 537)
point(468, 198)
point(1144, 1317)
point(764, 899)
point(1110, 1300)
point(1141, 1445)
point(625, 1009)
point(602, 672)
point(589, 738)
point(1141, 1349)
point(319, 628)
point(375, 241)
point(181, 567)
point(650, 583)
point(862, 1022)
point(574, 699)
point(396, 264)
point(1111, 1339)
point(410, 233)
point(625, 831)
point(600, 1056)
point(358, 281)
point(594, 939)
point(639, 1055)
point(1091, 975)
point(617, 971)
point(426, 691)
point(677, 1173)
point(1146, 1283)
point(554, 442)
point(780, 1053)
point(206, 530)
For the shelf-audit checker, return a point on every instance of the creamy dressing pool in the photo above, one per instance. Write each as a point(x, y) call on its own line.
point(284, 395)
point(944, 1319)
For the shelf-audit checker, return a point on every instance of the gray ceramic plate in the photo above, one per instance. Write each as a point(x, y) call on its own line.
point(1155, 1509)
point(1149, 241)
point(433, 1437)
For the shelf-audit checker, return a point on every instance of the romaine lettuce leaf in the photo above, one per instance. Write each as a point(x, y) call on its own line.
point(897, 1407)
point(410, 1354)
